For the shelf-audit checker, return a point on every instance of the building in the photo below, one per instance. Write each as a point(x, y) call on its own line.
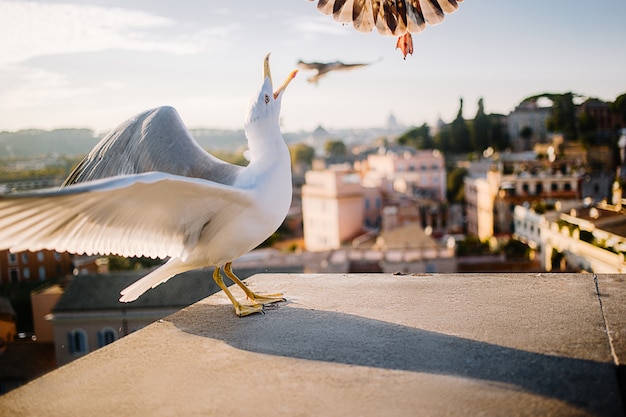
point(88, 315)
point(409, 171)
point(530, 114)
point(333, 208)
point(43, 301)
point(575, 237)
point(33, 266)
point(492, 197)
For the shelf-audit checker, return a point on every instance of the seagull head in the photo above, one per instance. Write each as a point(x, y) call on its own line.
point(264, 109)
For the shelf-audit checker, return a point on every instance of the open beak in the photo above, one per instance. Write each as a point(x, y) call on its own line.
point(266, 73)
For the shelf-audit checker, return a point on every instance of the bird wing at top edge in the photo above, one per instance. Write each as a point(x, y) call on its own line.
point(155, 140)
point(155, 215)
point(393, 18)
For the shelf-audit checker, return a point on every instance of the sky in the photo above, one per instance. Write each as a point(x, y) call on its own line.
point(95, 63)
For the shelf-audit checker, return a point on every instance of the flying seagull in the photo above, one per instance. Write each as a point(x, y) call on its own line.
point(148, 189)
point(390, 17)
point(323, 68)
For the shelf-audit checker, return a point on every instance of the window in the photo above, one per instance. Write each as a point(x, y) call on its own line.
point(25, 257)
point(57, 256)
point(77, 342)
point(106, 336)
point(567, 186)
point(40, 256)
point(554, 186)
point(14, 275)
point(367, 204)
point(42, 273)
point(12, 258)
point(26, 273)
point(525, 187)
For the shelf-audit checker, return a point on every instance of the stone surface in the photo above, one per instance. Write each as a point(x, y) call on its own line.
point(363, 345)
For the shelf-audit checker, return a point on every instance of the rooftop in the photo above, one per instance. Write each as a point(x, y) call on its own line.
point(363, 345)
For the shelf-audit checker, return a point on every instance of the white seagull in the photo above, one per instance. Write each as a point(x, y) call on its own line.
point(148, 189)
point(390, 17)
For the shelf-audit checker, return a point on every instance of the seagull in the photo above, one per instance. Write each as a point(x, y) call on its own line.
point(148, 189)
point(390, 17)
point(323, 68)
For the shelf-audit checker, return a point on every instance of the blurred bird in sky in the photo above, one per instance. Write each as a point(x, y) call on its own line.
point(148, 189)
point(397, 18)
point(323, 68)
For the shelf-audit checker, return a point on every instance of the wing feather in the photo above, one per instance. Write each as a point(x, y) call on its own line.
point(136, 215)
point(389, 17)
point(362, 16)
point(155, 140)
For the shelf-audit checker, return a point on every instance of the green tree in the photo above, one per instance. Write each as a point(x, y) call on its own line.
point(443, 139)
point(619, 107)
point(587, 126)
point(335, 148)
point(455, 187)
point(480, 129)
point(498, 133)
point(526, 133)
point(302, 153)
point(563, 116)
point(460, 134)
point(419, 137)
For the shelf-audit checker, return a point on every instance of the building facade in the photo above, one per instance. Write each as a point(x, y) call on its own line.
point(491, 199)
point(34, 266)
point(414, 172)
point(575, 237)
point(333, 208)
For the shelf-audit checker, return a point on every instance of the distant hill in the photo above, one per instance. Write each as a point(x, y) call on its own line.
point(33, 142)
point(78, 142)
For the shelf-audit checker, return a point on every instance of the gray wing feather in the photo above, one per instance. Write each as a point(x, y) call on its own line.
point(155, 140)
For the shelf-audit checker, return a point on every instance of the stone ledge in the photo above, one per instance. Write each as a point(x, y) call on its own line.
point(363, 345)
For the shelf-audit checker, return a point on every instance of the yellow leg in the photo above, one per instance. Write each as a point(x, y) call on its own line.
point(257, 298)
point(240, 309)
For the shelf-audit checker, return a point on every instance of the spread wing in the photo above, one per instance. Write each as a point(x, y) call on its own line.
point(389, 17)
point(155, 140)
point(323, 68)
point(134, 215)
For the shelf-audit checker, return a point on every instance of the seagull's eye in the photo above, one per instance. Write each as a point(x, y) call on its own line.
point(267, 99)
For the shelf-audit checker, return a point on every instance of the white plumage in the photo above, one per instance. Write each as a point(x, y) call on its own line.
point(148, 189)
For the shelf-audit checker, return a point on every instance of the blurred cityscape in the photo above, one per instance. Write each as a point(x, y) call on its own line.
point(537, 190)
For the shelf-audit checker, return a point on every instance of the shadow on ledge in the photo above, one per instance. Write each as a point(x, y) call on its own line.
point(353, 340)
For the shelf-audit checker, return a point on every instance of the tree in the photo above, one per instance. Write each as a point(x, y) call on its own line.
point(335, 148)
point(302, 153)
point(498, 134)
point(619, 106)
point(526, 134)
point(563, 117)
point(419, 137)
point(443, 140)
point(455, 185)
point(480, 129)
point(587, 126)
point(460, 134)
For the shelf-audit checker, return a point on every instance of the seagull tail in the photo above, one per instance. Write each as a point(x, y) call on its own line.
point(158, 276)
